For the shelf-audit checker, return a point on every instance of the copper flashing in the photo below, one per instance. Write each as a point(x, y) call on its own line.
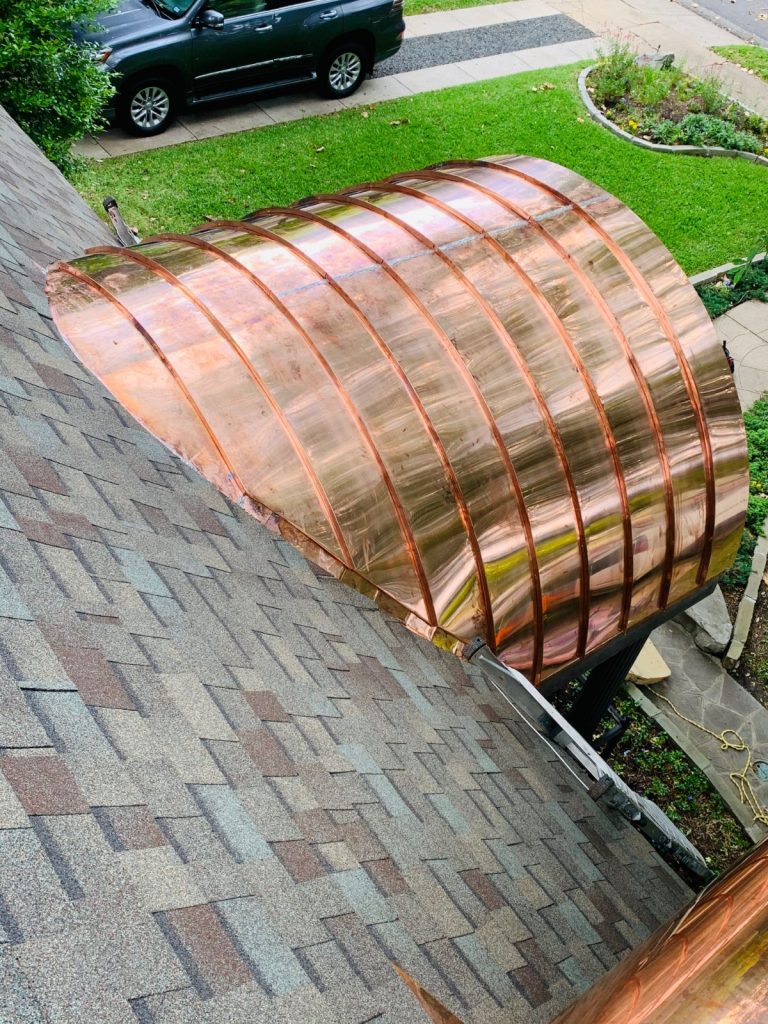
point(708, 966)
point(482, 393)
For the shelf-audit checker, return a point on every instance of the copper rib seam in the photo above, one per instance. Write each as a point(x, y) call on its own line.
point(437, 443)
point(160, 271)
point(656, 306)
point(196, 240)
point(527, 376)
point(411, 545)
point(615, 327)
point(548, 310)
point(642, 384)
point(96, 286)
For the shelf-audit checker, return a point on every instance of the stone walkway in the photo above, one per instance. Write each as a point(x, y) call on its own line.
point(745, 329)
point(205, 123)
point(699, 685)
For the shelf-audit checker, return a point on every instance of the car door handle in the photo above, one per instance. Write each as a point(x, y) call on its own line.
point(264, 28)
point(329, 15)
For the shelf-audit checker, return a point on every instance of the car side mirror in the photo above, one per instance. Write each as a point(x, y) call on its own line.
point(211, 19)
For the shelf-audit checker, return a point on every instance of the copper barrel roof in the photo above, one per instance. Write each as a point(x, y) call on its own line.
point(483, 393)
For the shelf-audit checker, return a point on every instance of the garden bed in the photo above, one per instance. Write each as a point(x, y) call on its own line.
point(654, 766)
point(667, 106)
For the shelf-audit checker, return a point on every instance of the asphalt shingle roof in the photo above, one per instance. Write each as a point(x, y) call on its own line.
point(231, 789)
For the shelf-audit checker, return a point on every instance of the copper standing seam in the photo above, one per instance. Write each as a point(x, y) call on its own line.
point(453, 354)
point(614, 325)
point(628, 583)
point(160, 271)
point(114, 301)
point(254, 229)
point(408, 538)
point(395, 185)
point(509, 343)
point(689, 379)
point(389, 355)
point(481, 315)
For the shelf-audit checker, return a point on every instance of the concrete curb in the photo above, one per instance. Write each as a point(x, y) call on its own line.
point(746, 608)
point(708, 276)
point(700, 151)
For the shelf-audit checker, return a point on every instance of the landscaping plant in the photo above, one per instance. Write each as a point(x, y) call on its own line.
point(53, 86)
point(668, 105)
point(747, 279)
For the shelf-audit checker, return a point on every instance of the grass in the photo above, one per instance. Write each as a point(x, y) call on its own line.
point(752, 58)
point(756, 424)
point(651, 763)
point(430, 6)
point(704, 210)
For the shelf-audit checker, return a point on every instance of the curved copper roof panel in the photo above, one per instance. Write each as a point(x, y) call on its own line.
point(483, 393)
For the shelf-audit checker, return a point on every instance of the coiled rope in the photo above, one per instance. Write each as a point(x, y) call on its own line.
point(740, 779)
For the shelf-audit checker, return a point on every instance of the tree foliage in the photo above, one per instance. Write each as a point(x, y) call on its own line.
point(51, 83)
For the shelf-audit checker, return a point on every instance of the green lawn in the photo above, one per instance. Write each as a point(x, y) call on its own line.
point(429, 6)
point(753, 58)
point(706, 211)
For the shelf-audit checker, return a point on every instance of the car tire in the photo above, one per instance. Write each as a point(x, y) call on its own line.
point(147, 106)
point(342, 70)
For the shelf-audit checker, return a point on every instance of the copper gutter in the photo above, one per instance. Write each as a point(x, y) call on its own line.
point(709, 966)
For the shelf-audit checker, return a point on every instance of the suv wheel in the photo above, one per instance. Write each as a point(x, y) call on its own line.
point(342, 70)
point(147, 107)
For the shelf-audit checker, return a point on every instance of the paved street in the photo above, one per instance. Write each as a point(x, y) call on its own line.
point(749, 17)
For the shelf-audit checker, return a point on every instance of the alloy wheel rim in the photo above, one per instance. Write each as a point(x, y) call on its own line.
point(150, 106)
point(344, 71)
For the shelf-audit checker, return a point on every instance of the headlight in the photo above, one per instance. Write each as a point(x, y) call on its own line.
point(103, 55)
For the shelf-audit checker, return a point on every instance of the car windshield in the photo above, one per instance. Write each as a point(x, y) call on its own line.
point(176, 8)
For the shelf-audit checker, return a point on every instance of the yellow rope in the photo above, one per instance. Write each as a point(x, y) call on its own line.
point(740, 780)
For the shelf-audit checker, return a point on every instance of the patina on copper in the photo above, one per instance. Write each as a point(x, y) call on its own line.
point(709, 966)
point(484, 394)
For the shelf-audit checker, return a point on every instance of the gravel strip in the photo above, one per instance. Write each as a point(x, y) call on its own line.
point(485, 41)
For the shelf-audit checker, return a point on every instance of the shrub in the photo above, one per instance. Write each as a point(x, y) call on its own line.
point(705, 130)
point(707, 95)
point(51, 84)
point(617, 72)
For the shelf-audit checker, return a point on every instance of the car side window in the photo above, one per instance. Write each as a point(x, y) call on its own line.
point(273, 5)
point(237, 8)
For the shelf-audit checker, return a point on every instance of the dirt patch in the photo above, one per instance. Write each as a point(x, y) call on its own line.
point(752, 668)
